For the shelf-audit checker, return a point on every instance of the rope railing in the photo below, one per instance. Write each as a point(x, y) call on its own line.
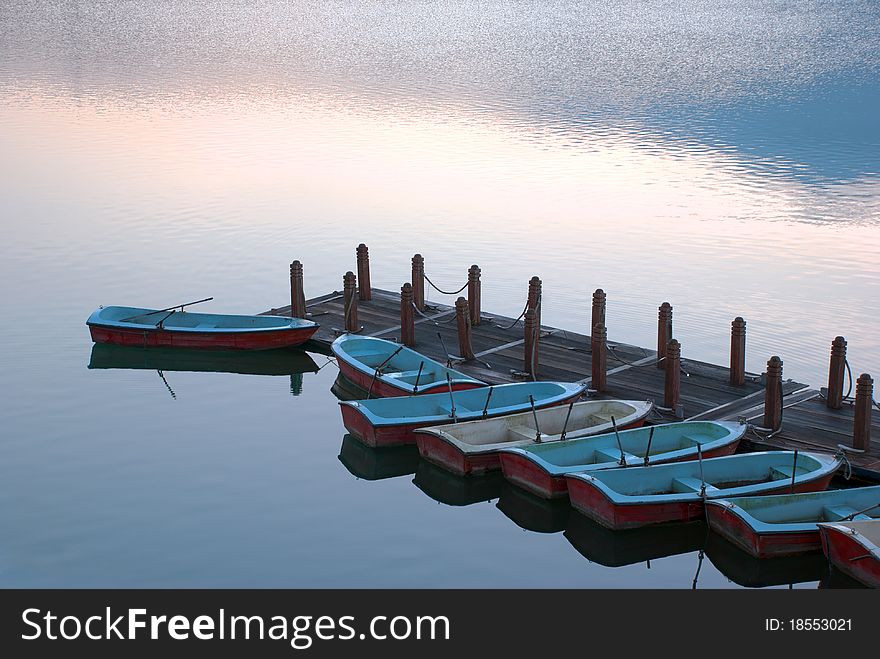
point(441, 291)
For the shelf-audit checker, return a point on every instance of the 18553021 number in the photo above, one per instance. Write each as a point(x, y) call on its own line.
point(820, 624)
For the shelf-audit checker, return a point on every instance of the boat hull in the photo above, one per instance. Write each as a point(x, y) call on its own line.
point(394, 435)
point(530, 476)
point(231, 340)
point(434, 448)
point(379, 388)
point(734, 529)
point(592, 502)
point(847, 554)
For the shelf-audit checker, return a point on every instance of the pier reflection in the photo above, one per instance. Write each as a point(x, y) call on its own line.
point(533, 513)
point(746, 570)
point(454, 490)
point(618, 548)
point(374, 464)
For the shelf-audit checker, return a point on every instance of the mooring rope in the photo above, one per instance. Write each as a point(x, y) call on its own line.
point(427, 317)
point(518, 318)
point(440, 290)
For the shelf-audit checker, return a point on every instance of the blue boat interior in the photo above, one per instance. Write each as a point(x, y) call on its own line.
point(719, 474)
point(135, 317)
point(860, 503)
point(604, 448)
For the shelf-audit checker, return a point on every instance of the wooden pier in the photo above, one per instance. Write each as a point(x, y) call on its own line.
point(499, 349)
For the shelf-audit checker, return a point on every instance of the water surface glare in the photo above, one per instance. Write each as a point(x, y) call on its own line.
point(722, 156)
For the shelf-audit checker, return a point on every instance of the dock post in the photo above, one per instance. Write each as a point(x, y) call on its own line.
point(664, 331)
point(862, 421)
point(349, 288)
point(531, 332)
point(598, 337)
point(474, 294)
point(773, 394)
point(598, 315)
point(407, 322)
point(297, 296)
point(365, 291)
point(418, 281)
point(836, 371)
point(534, 299)
point(738, 352)
point(672, 385)
point(462, 317)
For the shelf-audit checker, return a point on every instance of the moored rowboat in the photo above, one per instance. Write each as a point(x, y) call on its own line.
point(179, 329)
point(854, 549)
point(390, 421)
point(787, 524)
point(541, 468)
point(639, 496)
point(385, 368)
point(472, 447)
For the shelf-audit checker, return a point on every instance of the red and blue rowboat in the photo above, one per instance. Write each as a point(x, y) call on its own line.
point(854, 549)
point(384, 368)
point(390, 421)
point(178, 329)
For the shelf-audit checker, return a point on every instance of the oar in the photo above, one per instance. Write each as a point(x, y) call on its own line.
point(176, 306)
point(486, 406)
point(449, 383)
point(619, 445)
point(702, 477)
point(565, 425)
point(648, 450)
point(793, 472)
point(535, 416)
point(418, 376)
point(851, 516)
point(379, 368)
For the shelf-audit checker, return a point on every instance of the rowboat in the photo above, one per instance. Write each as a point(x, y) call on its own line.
point(854, 549)
point(280, 361)
point(390, 421)
point(639, 496)
point(384, 368)
point(472, 447)
point(787, 524)
point(171, 328)
point(541, 468)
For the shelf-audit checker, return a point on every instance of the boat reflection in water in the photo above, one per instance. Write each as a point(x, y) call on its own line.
point(374, 464)
point(533, 513)
point(746, 570)
point(610, 548)
point(453, 490)
point(834, 578)
point(345, 389)
point(282, 361)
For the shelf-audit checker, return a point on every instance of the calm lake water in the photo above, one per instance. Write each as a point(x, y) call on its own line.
point(723, 156)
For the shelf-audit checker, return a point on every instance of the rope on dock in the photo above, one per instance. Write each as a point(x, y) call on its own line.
point(426, 317)
point(439, 290)
point(518, 318)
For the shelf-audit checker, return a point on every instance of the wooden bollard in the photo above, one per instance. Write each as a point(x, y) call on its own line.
point(418, 281)
point(598, 315)
point(474, 294)
point(862, 422)
point(534, 298)
point(297, 295)
point(365, 292)
point(462, 317)
point(349, 289)
point(598, 337)
point(407, 321)
point(773, 394)
point(738, 352)
point(836, 371)
point(531, 332)
point(664, 331)
point(672, 384)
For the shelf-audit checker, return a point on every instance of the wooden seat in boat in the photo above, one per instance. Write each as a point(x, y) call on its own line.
point(689, 484)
